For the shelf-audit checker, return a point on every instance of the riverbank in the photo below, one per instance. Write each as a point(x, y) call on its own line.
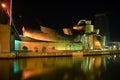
point(57, 54)
point(37, 54)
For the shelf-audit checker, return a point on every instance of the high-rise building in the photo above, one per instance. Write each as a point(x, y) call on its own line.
point(101, 21)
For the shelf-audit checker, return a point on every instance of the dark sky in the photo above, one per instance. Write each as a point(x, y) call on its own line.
point(64, 13)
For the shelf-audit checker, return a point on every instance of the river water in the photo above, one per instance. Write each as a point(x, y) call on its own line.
point(104, 67)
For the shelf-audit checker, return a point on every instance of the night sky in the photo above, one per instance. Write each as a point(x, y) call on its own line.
point(63, 13)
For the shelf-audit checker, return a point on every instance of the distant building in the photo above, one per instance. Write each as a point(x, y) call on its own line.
point(102, 22)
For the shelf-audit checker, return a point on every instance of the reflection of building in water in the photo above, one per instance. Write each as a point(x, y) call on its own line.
point(91, 66)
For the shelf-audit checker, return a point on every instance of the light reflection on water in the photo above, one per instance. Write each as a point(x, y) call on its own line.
point(61, 68)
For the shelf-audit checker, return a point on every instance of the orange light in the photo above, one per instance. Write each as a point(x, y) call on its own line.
point(3, 5)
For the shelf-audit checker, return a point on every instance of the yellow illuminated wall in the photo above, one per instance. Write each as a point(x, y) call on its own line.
point(4, 38)
point(49, 46)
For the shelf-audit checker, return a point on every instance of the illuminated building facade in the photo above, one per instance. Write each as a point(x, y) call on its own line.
point(46, 39)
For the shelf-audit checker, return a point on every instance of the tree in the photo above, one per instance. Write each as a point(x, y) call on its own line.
point(25, 49)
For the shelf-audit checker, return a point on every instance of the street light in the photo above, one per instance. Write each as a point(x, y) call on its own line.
point(5, 8)
point(3, 5)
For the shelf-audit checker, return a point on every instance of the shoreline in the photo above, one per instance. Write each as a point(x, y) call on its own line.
point(57, 54)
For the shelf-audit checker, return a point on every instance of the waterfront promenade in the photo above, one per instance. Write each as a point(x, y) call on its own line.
point(37, 54)
point(57, 54)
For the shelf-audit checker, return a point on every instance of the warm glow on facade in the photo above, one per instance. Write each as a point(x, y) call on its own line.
point(78, 27)
point(52, 41)
point(67, 31)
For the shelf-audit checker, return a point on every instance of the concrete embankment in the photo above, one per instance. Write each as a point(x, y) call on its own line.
point(57, 54)
point(34, 54)
point(7, 56)
point(101, 52)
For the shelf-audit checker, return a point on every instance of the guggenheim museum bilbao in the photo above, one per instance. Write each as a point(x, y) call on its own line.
point(81, 36)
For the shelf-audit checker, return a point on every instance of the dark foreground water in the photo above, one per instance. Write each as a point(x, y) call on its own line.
point(105, 67)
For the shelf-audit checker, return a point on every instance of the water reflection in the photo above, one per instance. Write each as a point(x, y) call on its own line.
point(61, 68)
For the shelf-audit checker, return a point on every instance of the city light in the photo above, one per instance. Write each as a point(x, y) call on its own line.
point(3, 5)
